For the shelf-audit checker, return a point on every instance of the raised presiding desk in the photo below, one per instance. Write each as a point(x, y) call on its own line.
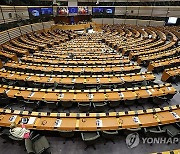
point(75, 79)
point(93, 95)
point(169, 73)
point(91, 121)
point(29, 67)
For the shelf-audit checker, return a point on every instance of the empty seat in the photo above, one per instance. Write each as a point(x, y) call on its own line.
point(67, 135)
point(172, 130)
point(90, 138)
point(84, 107)
point(37, 145)
point(159, 100)
point(114, 104)
point(66, 104)
point(153, 131)
point(109, 135)
point(99, 107)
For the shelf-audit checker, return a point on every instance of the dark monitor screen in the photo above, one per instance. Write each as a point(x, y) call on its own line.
point(47, 11)
point(73, 9)
point(34, 12)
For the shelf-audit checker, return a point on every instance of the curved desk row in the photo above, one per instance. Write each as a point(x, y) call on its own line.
point(78, 57)
point(159, 55)
point(18, 50)
point(8, 55)
point(164, 63)
point(27, 41)
point(24, 45)
point(140, 46)
point(85, 53)
point(49, 43)
point(92, 95)
point(39, 68)
point(55, 61)
point(91, 121)
point(135, 54)
point(71, 79)
point(169, 73)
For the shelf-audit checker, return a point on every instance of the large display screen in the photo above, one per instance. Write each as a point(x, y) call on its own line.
point(62, 11)
point(172, 20)
point(109, 10)
point(47, 11)
point(34, 12)
point(103, 10)
point(73, 10)
point(97, 10)
point(82, 10)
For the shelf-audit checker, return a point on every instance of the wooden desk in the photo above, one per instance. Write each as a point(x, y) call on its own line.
point(168, 73)
point(88, 95)
point(93, 121)
point(164, 62)
point(59, 70)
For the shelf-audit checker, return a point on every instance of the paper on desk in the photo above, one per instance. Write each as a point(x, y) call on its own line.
point(175, 115)
point(99, 123)
point(31, 120)
point(149, 92)
point(58, 123)
point(13, 118)
point(136, 120)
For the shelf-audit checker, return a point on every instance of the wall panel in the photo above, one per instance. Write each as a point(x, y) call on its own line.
point(97, 20)
point(130, 21)
point(37, 26)
point(145, 11)
point(4, 37)
point(8, 13)
point(1, 18)
point(108, 20)
point(132, 11)
point(120, 10)
point(26, 29)
point(22, 12)
point(118, 21)
point(156, 23)
point(159, 11)
point(143, 22)
point(15, 32)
